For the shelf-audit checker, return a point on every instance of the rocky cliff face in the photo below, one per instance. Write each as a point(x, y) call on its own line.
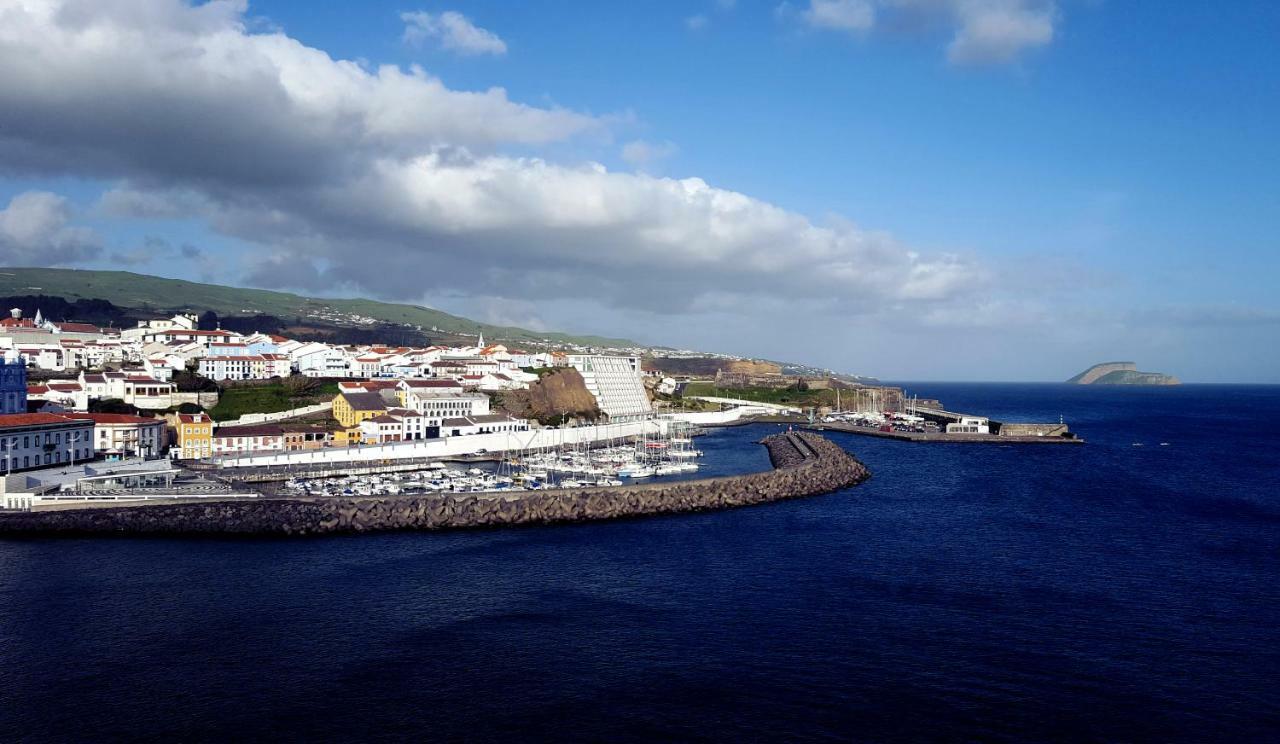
point(560, 392)
point(805, 465)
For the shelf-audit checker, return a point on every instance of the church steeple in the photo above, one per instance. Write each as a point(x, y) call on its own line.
point(482, 339)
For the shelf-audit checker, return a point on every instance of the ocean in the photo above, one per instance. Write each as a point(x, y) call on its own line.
point(1127, 589)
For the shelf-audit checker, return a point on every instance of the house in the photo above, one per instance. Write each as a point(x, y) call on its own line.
point(441, 404)
point(381, 429)
point(351, 408)
point(230, 440)
point(320, 360)
point(117, 435)
point(148, 393)
point(488, 424)
point(405, 386)
point(307, 439)
point(415, 424)
point(195, 436)
point(67, 394)
point(244, 367)
point(37, 440)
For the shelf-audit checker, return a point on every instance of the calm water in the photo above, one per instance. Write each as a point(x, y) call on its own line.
point(1102, 592)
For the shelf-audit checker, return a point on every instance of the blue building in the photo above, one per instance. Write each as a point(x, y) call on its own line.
point(13, 384)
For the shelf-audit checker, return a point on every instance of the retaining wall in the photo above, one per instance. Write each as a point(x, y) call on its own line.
point(804, 465)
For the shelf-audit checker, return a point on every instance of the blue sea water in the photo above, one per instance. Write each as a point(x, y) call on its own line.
point(1103, 592)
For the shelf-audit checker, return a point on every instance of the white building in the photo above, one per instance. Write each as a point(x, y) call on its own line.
point(37, 440)
point(232, 439)
point(320, 360)
point(970, 425)
point(617, 384)
point(382, 429)
point(244, 367)
point(117, 435)
point(494, 423)
point(443, 404)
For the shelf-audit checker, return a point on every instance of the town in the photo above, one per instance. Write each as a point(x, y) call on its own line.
point(167, 408)
point(114, 395)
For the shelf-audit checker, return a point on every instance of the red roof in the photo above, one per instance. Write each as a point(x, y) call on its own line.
point(117, 418)
point(248, 431)
point(77, 327)
point(367, 385)
point(33, 419)
point(194, 418)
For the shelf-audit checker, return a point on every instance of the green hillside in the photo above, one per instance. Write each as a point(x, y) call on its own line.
point(142, 291)
point(1131, 377)
point(1120, 373)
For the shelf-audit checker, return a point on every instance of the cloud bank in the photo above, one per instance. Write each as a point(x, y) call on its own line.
point(35, 230)
point(387, 182)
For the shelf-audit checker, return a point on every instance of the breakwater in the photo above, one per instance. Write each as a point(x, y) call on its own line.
point(804, 464)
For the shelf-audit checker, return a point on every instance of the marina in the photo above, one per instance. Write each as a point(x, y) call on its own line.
point(577, 465)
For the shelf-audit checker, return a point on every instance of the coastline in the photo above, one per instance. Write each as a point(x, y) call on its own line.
point(804, 464)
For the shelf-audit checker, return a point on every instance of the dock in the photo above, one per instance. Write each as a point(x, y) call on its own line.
point(944, 438)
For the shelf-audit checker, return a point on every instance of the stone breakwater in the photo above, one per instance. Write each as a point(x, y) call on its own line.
point(804, 465)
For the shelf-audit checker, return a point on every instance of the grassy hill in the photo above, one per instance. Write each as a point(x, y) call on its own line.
point(145, 292)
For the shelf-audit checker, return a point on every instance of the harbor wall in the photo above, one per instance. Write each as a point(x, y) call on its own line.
point(446, 447)
point(805, 464)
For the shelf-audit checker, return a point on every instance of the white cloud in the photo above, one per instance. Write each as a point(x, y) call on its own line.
point(643, 154)
point(35, 230)
point(453, 30)
point(386, 182)
point(985, 31)
point(696, 22)
point(842, 15)
point(995, 31)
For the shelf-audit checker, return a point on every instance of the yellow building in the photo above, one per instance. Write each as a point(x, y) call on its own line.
point(352, 408)
point(195, 436)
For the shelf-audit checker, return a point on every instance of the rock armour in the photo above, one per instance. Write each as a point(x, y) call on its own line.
point(804, 464)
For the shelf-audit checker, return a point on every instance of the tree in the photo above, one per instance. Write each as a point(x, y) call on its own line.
point(111, 405)
point(300, 386)
point(208, 321)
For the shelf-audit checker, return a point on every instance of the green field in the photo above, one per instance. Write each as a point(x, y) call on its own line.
point(237, 401)
point(141, 291)
point(782, 397)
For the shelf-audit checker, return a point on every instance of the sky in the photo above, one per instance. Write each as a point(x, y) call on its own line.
point(909, 189)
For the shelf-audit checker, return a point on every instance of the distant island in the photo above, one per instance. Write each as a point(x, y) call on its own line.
point(1121, 373)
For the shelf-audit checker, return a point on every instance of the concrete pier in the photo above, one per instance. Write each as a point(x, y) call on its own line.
point(942, 437)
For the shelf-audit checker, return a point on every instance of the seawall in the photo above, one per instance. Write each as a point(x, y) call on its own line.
point(804, 464)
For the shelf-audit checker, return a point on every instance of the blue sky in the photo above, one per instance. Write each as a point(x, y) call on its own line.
point(940, 189)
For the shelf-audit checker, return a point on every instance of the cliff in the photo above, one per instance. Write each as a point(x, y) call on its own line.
point(559, 394)
point(1121, 373)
